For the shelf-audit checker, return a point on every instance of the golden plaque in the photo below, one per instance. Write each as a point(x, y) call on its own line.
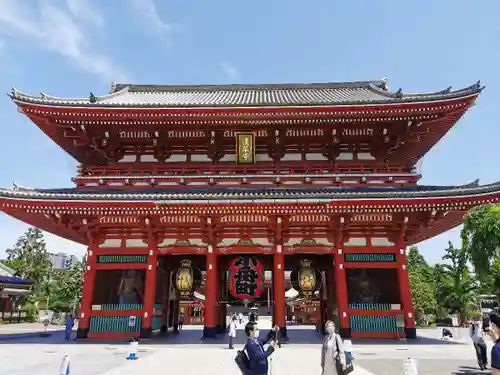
point(245, 148)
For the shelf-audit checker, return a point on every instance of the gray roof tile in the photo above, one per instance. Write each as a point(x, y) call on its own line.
point(194, 194)
point(304, 94)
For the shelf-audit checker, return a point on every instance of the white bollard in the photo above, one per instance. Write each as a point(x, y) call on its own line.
point(411, 367)
point(132, 352)
point(65, 365)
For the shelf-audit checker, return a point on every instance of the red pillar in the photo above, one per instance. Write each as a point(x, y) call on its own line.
point(279, 308)
point(341, 292)
point(149, 291)
point(405, 292)
point(210, 308)
point(87, 292)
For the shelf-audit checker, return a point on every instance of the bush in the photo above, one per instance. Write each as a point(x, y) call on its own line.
point(32, 312)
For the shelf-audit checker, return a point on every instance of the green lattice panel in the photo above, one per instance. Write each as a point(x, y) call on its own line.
point(129, 258)
point(370, 306)
point(369, 257)
point(114, 324)
point(157, 319)
point(113, 307)
point(374, 324)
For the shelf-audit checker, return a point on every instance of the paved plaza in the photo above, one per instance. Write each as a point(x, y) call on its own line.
point(186, 354)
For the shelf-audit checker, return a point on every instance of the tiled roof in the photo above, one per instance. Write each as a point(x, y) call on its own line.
point(252, 194)
point(303, 94)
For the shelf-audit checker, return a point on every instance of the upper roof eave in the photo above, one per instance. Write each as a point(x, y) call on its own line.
point(362, 93)
point(250, 194)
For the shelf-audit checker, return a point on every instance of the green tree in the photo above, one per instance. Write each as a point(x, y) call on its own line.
point(459, 286)
point(29, 258)
point(481, 237)
point(422, 288)
point(67, 288)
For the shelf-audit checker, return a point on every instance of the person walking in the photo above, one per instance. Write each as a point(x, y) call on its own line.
point(494, 333)
point(332, 351)
point(70, 323)
point(232, 331)
point(180, 322)
point(257, 355)
point(476, 334)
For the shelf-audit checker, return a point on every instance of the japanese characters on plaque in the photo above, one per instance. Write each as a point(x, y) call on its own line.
point(247, 278)
point(245, 148)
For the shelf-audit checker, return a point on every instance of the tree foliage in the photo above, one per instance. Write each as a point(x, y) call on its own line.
point(59, 290)
point(481, 237)
point(458, 286)
point(422, 287)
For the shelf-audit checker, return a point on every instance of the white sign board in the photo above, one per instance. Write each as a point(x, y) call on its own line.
point(132, 321)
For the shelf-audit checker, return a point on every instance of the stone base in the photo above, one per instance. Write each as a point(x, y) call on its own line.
point(209, 333)
point(81, 333)
point(411, 333)
point(146, 333)
point(345, 333)
point(219, 329)
point(283, 334)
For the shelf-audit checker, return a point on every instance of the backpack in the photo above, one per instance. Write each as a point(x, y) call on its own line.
point(242, 361)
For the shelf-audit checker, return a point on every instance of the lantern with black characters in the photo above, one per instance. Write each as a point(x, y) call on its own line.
point(247, 278)
point(306, 279)
point(187, 279)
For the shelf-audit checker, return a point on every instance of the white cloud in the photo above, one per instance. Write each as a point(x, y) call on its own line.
point(147, 9)
point(229, 70)
point(85, 11)
point(54, 29)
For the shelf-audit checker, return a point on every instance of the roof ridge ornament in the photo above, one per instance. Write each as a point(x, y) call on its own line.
point(13, 91)
point(384, 84)
point(92, 98)
point(112, 89)
point(399, 93)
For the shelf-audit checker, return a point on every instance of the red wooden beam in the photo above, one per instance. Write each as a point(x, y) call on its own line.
point(112, 335)
point(356, 312)
point(370, 249)
point(377, 335)
point(117, 312)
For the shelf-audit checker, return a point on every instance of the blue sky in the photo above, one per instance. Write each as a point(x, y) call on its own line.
point(72, 47)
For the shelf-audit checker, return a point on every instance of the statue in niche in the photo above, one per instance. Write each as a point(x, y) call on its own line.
point(130, 289)
point(364, 288)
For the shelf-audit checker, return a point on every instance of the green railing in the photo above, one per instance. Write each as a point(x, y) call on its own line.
point(118, 307)
point(370, 306)
point(157, 319)
point(129, 258)
point(369, 257)
point(114, 324)
point(373, 323)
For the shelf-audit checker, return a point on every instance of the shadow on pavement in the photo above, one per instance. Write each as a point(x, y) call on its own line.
point(467, 370)
point(192, 336)
point(418, 341)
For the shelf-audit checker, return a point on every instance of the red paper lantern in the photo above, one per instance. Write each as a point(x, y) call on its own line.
point(247, 278)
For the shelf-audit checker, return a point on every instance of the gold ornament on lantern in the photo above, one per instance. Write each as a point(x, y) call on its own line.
point(184, 279)
point(307, 278)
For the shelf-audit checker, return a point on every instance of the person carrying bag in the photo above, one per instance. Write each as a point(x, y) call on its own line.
point(333, 357)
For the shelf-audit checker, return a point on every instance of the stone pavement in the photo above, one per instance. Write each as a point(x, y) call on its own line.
point(187, 355)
